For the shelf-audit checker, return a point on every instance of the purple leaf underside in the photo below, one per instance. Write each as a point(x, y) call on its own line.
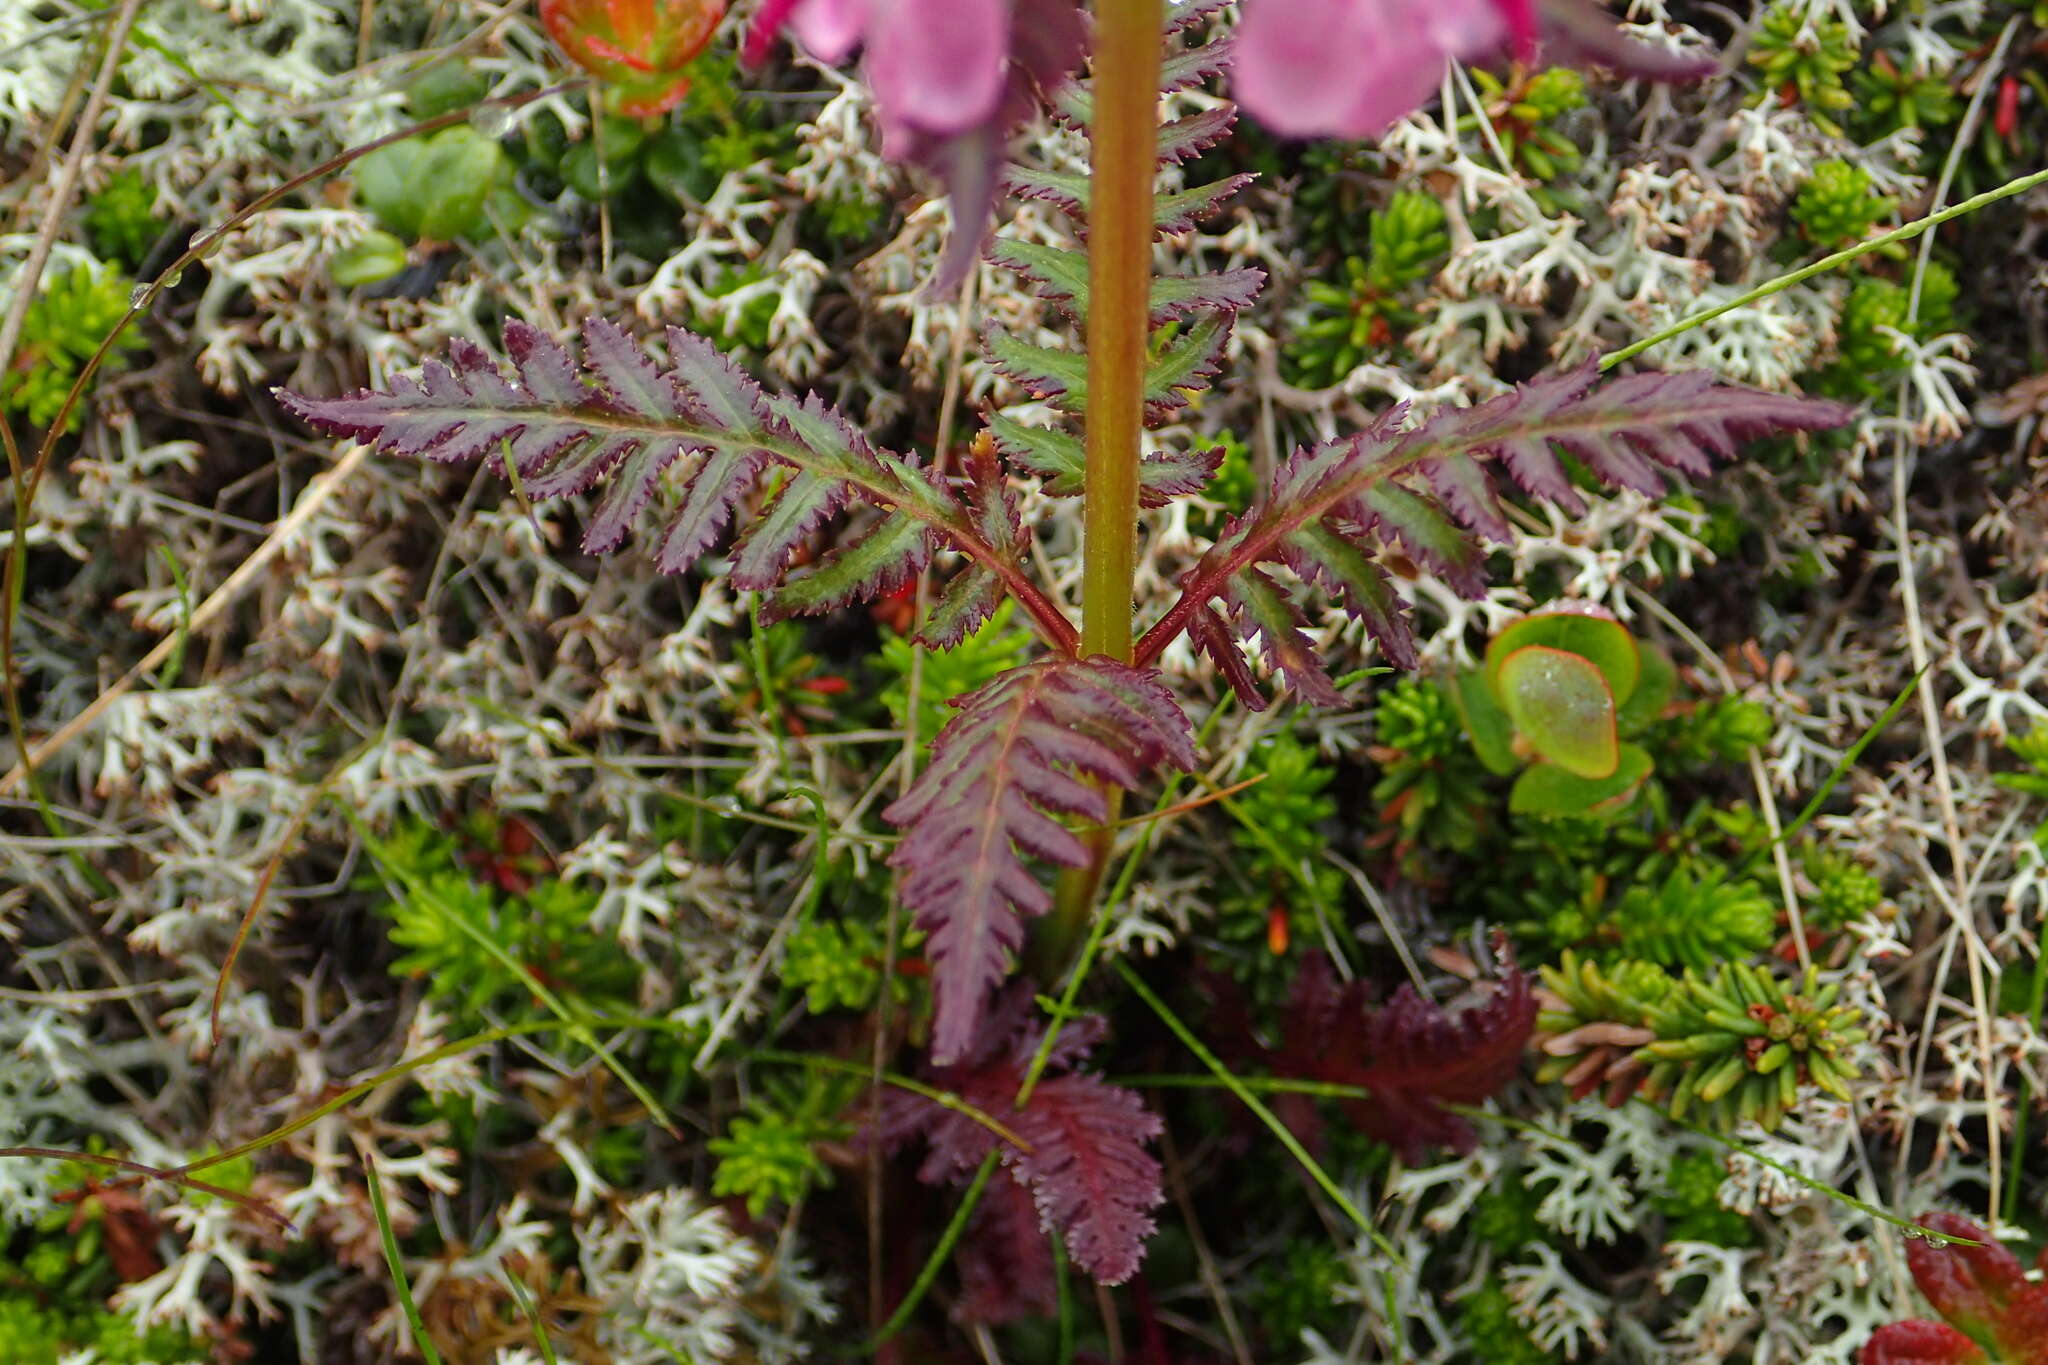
point(1021, 752)
point(1427, 492)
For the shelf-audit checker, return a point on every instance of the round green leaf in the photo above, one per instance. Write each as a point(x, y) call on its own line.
point(1606, 643)
point(378, 256)
point(385, 178)
point(675, 163)
point(1560, 703)
point(581, 172)
point(1652, 693)
point(1486, 725)
point(445, 87)
point(453, 180)
point(1548, 792)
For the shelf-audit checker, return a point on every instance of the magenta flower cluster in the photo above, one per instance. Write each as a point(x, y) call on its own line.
point(944, 69)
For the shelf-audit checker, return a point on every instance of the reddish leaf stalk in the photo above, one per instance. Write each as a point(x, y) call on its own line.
point(1122, 163)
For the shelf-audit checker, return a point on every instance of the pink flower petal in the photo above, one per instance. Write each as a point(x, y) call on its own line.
point(829, 29)
point(936, 65)
point(1349, 68)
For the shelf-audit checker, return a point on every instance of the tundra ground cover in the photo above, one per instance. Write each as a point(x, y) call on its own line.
point(1559, 914)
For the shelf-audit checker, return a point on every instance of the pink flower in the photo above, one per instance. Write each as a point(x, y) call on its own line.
point(938, 68)
point(951, 78)
point(1350, 68)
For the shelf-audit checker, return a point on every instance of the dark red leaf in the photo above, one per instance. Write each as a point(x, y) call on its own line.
point(1920, 1343)
point(2023, 1331)
point(1006, 1269)
point(1086, 1167)
point(1971, 1286)
point(1414, 1056)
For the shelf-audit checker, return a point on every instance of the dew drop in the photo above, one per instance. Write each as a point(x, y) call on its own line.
point(492, 120)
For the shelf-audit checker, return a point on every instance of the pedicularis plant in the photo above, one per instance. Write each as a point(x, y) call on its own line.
point(1032, 768)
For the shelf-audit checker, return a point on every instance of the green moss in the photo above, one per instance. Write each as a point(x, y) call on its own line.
point(836, 965)
point(1297, 1290)
point(446, 901)
point(121, 220)
point(35, 1334)
point(1505, 1216)
point(1346, 324)
point(1836, 206)
point(1493, 1335)
point(1691, 1204)
point(71, 316)
point(990, 650)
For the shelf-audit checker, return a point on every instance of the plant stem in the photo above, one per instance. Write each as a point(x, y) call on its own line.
point(1127, 56)
point(1122, 161)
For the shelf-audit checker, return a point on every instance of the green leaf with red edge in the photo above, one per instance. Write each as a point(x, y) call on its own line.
point(1605, 643)
point(1549, 792)
point(1920, 1342)
point(640, 49)
point(1561, 704)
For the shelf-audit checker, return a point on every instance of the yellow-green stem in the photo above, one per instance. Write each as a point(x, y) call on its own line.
point(1123, 159)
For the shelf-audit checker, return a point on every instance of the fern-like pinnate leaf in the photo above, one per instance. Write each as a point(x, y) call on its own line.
point(1428, 491)
point(1082, 1157)
point(1191, 315)
point(619, 421)
point(1034, 744)
point(1060, 460)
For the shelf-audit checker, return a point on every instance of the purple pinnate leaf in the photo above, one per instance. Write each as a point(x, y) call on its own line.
point(1213, 637)
point(1082, 1157)
point(1059, 459)
point(1089, 1172)
point(1263, 608)
point(1332, 506)
point(1005, 1261)
point(1020, 752)
point(621, 425)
